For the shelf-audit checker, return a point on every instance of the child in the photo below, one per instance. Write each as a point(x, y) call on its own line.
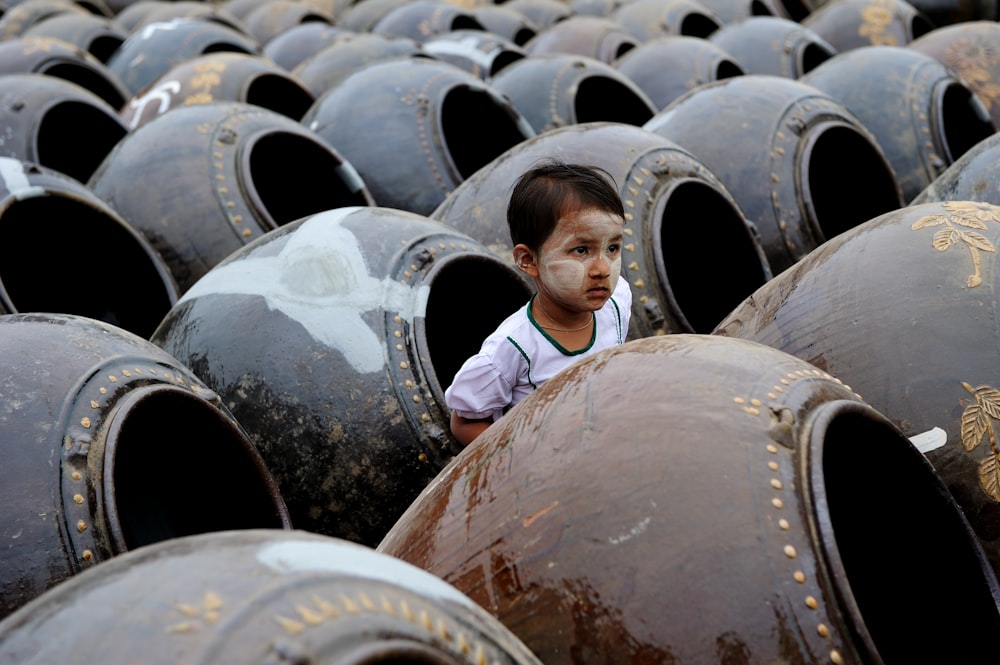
point(566, 222)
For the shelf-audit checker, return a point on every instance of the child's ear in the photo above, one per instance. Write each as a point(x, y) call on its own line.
point(524, 259)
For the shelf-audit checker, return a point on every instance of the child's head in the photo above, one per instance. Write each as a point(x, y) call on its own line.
point(549, 192)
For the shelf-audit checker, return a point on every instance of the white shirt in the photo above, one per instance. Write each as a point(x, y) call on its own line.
point(519, 356)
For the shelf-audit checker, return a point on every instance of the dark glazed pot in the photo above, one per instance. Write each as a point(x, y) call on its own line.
point(649, 19)
point(920, 112)
point(258, 596)
point(851, 24)
point(740, 506)
point(110, 444)
point(95, 264)
point(773, 45)
point(364, 14)
point(593, 36)
point(734, 11)
point(421, 20)
point(970, 51)
point(57, 124)
point(478, 52)
point(371, 307)
point(673, 206)
point(16, 19)
point(975, 176)
point(436, 125)
point(667, 67)
point(224, 76)
point(505, 22)
point(943, 13)
point(560, 89)
point(54, 57)
point(930, 365)
point(349, 53)
point(97, 35)
point(543, 13)
point(201, 181)
point(154, 50)
point(780, 147)
point(277, 16)
point(301, 42)
point(168, 11)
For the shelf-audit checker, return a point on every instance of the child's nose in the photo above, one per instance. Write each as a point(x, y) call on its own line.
point(601, 266)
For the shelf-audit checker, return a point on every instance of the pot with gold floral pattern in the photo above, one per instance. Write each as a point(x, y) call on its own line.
point(256, 595)
point(740, 506)
point(903, 308)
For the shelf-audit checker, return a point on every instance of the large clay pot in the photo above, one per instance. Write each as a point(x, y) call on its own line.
point(18, 18)
point(478, 52)
point(779, 147)
point(596, 37)
point(167, 11)
point(733, 11)
point(969, 50)
point(301, 42)
point(96, 264)
point(505, 22)
point(57, 124)
point(373, 308)
point(560, 89)
point(421, 20)
point(152, 51)
point(275, 17)
point(922, 115)
point(929, 364)
point(224, 76)
point(649, 19)
point(362, 15)
point(258, 595)
point(972, 177)
point(543, 13)
point(97, 35)
point(943, 13)
point(672, 203)
point(201, 181)
point(773, 45)
point(667, 67)
point(851, 24)
point(740, 506)
point(436, 124)
point(349, 53)
point(110, 444)
point(54, 57)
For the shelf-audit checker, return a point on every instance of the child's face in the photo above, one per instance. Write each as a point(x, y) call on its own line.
point(579, 264)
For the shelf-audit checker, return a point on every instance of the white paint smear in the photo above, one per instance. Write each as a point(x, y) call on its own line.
point(930, 440)
point(342, 557)
point(320, 279)
point(16, 180)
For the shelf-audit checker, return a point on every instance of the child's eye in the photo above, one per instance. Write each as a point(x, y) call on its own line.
point(613, 249)
point(580, 250)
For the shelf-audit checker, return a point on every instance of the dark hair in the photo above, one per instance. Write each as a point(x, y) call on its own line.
point(548, 191)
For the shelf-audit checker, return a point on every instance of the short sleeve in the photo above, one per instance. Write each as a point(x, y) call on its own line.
point(623, 299)
point(479, 390)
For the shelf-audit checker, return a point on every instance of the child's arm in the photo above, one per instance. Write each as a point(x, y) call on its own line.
point(466, 430)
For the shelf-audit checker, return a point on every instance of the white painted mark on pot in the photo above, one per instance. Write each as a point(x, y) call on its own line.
point(320, 279)
point(631, 533)
point(930, 440)
point(347, 558)
point(15, 180)
point(465, 47)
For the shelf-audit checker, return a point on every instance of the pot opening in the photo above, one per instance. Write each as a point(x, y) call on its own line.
point(707, 255)
point(811, 56)
point(60, 255)
point(796, 10)
point(91, 79)
point(282, 163)
point(837, 201)
point(103, 47)
point(727, 68)
point(280, 94)
point(698, 25)
point(478, 127)
point(90, 130)
point(174, 465)
point(909, 572)
point(469, 296)
point(602, 98)
point(962, 121)
point(398, 651)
